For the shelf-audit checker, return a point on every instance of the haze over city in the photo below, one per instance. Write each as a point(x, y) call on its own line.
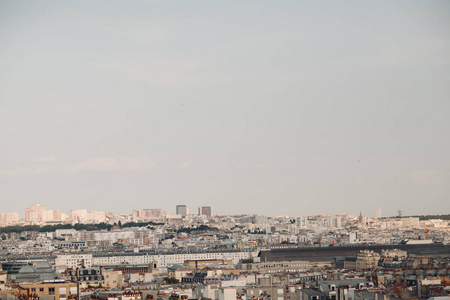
point(274, 108)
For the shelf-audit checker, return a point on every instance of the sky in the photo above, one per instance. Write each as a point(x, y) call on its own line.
point(267, 107)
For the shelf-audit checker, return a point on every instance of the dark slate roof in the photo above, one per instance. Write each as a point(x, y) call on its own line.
point(325, 254)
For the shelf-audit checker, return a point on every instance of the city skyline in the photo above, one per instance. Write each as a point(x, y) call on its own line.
point(252, 107)
point(378, 212)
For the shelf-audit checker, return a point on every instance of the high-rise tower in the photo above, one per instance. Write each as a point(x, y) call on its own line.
point(181, 210)
point(204, 211)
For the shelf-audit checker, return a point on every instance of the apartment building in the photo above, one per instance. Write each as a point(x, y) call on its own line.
point(60, 289)
point(275, 266)
point(367, 259)
point(74, 261)
point(165, 259)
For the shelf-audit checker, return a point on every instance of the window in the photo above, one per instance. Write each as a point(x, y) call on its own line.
point(33, 290)
point(41, 289)
point(51, 291)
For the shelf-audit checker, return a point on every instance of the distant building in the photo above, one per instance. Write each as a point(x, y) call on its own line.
point(143, 214)
point(27, 273)
point(78, 215)
point(311, 294)
point(334, 222)
point(411, 222)
point(114, 236)
point(113, 279)
point(202, 263)
point(378, 213)
point(135, 268)
point(353, 238)
point(96, 217)
point(204, 211)
point(8, 218)
point(275, 266)
point(87, 277)
point(181, 210)
point(348, 262)
point(74, 260)
point(34, 213)
point(47, 216)
point(393, 254)
point(342, 289)
point(57, 289)
point(367, 259)
point(12, 267)
point(179, 271)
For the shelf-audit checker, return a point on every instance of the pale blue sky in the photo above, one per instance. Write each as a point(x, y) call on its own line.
point(268, 107)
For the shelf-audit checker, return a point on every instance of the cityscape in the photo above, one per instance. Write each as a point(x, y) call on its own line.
point(224, 150)
point(155, 254)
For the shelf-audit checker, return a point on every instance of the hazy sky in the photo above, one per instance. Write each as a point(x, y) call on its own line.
point(268, 107)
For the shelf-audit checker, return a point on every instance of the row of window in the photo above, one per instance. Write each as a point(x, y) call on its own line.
point(51, 290)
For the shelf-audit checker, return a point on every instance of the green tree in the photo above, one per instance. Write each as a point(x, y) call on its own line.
point(171, 280)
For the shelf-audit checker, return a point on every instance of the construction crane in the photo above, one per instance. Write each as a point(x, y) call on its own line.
point(426, 231)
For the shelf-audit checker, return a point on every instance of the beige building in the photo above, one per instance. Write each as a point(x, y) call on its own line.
point(367, 259)
point(60, 289)
point(202, 263)
point(113, 279)
point(276, 292)
point(393, 254)
point(78, 215)
point(213, 270)
point(34, 213)
point(8, 218)
point(179, 272)
point(3, 279)
point(275, 266)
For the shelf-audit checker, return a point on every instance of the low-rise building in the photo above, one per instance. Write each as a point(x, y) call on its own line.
point(275, 266)
point(113, 279)
point(87, 278)
point(202, 263)
point(60, 289)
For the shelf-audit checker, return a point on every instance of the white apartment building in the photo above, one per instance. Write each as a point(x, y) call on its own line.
point(410, 222)
point(62, 233)
point(113, 236)
point(334, 222)
point(74, 260)
point(164, 260)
